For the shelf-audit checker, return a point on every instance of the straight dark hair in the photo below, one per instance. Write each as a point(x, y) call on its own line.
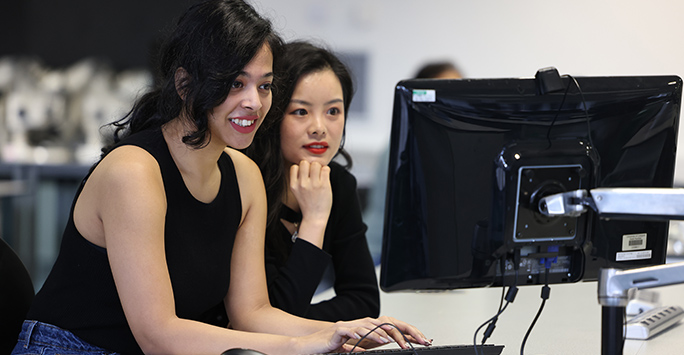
point(298, 59)
point(212, 42)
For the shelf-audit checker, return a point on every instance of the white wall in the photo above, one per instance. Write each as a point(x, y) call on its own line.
point(486, 38)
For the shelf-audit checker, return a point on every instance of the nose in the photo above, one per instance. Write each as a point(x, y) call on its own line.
point(251, 99)
point(317, 126)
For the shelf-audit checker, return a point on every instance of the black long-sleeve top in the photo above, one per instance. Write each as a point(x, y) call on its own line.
point(293, 278)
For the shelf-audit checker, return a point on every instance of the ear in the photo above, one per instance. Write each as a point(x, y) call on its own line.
point(181, 79)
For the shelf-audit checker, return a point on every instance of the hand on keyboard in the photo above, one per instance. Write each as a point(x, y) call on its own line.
point(486, 349)
point(373, 332)
point(385, 330)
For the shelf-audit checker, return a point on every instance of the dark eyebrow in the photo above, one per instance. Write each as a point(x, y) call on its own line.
point(301, 102)
point(306, 103)
point(334, 101)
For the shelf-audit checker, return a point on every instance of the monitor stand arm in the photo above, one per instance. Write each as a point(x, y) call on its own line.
point(615, 285)
point(613, 295)
point(648, 203)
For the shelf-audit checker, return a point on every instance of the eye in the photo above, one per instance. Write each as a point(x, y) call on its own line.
point(334, 111)
point(266, 86)
point(236, 85)
point(299, 112)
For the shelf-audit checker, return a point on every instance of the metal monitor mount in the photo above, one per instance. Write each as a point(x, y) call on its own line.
point(614, 285)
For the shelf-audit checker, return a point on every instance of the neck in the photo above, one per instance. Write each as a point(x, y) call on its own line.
point(190, 160)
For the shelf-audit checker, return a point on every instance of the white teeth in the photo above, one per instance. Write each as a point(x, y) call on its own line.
point(317, 146)
point(242, 123)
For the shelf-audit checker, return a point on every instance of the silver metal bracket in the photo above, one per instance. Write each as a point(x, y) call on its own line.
point(618, 202)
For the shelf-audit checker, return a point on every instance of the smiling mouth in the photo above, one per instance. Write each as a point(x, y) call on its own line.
point(242, 123)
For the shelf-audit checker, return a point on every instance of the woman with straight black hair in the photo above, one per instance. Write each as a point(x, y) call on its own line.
point(314, 215)
point(171, 220)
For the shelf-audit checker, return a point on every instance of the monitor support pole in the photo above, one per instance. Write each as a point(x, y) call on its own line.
point(613, 288)
point(614, 285)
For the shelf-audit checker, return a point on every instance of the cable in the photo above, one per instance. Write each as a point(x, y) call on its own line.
point(502, 265)
point(485, 323)
point(546, 291)
point(584, 108)
point(492, 324)
point(510, 297)
point(378, 326)
point(553, 122)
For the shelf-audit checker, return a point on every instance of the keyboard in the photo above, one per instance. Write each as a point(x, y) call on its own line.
point(486, 349)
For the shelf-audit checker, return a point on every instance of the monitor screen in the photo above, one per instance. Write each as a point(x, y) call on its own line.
point(470, 159)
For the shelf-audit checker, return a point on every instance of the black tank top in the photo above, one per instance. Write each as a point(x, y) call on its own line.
point(79, 294)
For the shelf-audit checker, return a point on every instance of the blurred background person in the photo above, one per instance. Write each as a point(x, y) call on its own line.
point(439, 70)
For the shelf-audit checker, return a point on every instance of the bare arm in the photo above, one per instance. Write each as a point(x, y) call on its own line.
point(130, 205)
point(122, 207)
point(247, 302)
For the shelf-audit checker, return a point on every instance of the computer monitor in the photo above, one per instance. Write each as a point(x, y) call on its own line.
point(470, 159)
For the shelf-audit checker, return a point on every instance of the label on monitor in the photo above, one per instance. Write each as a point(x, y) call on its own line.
point(424, 95)
point(634, 242)
point(634, 255)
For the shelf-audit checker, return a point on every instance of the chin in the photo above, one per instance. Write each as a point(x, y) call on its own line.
point(322, 161)
point(239, 143)
point(242, 146)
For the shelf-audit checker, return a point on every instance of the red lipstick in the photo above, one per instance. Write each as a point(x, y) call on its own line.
point(317, 148)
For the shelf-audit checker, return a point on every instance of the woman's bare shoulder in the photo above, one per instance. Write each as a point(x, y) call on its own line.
point(127, 164)
point(126, 181)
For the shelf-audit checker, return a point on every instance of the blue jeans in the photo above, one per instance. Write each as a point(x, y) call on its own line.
point(46, 339)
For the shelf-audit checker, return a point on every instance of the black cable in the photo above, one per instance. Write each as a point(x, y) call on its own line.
point(510, 297)
point(490, 328)
point(378, 326)
point(485, 323)
point(553, 122)
point(502, 265)
point(544, 295)
point(584, 108)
